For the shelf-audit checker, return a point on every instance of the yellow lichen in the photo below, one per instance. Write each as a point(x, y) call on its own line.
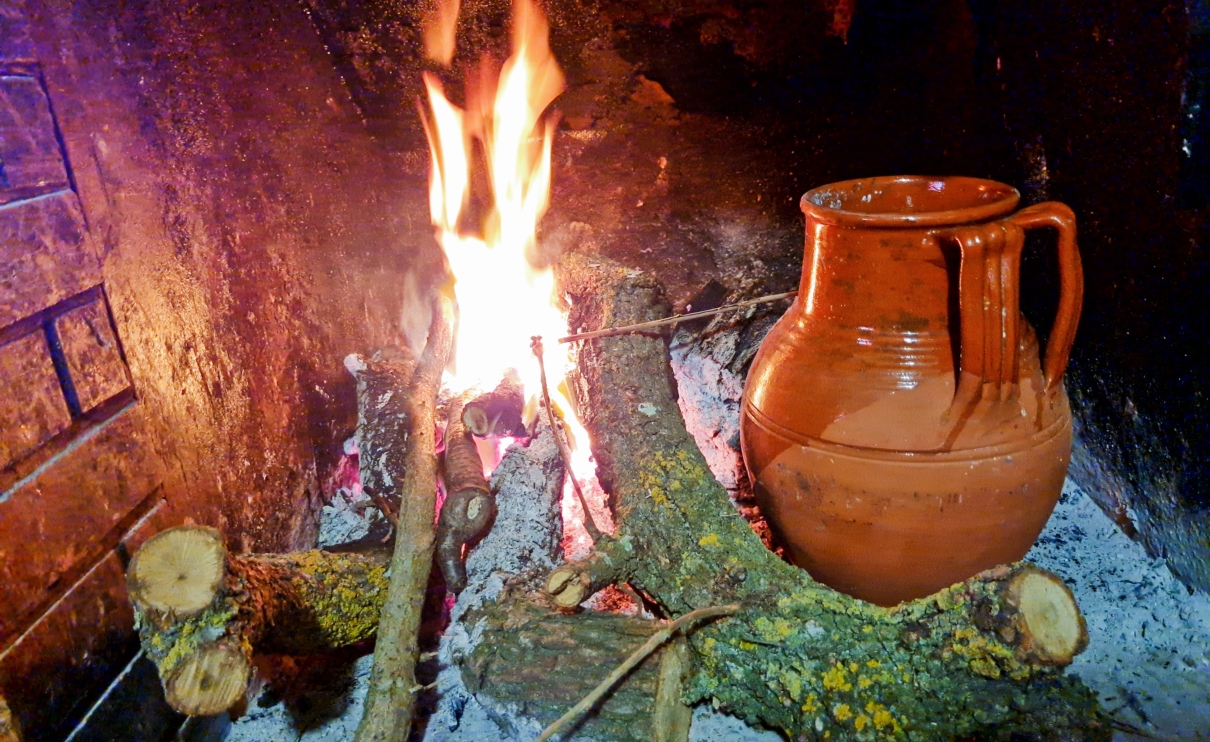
point(710, 539)
point(842, 712)
point(835, 679)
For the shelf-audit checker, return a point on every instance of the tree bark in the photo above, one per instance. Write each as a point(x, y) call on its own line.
point(470, 505)
point(405, 450)
point(304, 603)
point(9, 732)
point(801, 657)
point(543, 660)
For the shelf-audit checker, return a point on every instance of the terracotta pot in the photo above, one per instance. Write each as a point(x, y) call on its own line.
point(899, 428)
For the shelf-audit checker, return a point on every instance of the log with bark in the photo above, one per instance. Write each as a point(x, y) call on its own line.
point(201, 612)
point(469, 507)
point(983, 658)
point(9, 731)
point(404, 448)
point(498, 413)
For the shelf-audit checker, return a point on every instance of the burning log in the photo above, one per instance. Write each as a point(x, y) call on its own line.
point(499, 412)
point(9, 731)
point(469, 507)
point(201, 612)
point(407, 455)
point(983, 657)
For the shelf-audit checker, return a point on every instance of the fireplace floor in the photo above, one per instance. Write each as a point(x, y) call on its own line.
point(1148, 657)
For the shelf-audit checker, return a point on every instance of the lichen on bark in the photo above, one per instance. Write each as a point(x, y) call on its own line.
point(801, 657)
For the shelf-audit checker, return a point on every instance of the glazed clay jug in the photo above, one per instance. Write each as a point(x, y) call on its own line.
point(898, 425)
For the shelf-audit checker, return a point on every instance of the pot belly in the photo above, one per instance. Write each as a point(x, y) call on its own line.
point(885, 526)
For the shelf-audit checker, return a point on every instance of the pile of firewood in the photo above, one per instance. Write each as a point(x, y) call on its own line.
point(746, 631)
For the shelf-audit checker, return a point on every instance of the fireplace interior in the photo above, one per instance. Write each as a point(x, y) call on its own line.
point(212, 212)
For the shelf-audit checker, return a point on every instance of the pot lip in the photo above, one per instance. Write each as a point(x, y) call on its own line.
point(988, 199)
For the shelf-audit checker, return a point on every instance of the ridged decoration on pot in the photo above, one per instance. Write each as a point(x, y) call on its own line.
point(899, 425)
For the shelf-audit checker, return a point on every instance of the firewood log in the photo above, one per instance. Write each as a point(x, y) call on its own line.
point(980, 659)
point(9, 731)
point(499, 412)
point(470, 505)
point(201, 612)
point(404, 446)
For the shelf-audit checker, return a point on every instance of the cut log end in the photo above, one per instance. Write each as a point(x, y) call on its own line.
point(568, 586)
point(498, 413)
point(9, 732)
point(178, 571)
point(209, 681)
point(1052, 629)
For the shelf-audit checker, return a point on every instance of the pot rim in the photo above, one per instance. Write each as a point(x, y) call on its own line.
point(980, 200)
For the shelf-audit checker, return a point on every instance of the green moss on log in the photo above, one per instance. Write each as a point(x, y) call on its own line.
point(303, 603)
point(801, 658)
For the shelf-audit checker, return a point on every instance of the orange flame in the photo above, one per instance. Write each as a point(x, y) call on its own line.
point(503, 297)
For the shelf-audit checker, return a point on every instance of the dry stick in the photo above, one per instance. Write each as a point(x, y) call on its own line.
point(383, 507)
point(392, 695)
point(674, 319)
point(634, 659)
point(590, 525)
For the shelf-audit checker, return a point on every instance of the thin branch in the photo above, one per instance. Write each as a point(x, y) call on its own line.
point(634, 659)
point(675, 319)
point(390, 703)
point(590, 525)
point(383, 507)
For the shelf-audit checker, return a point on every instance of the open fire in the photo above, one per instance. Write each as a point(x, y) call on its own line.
point(494, 261)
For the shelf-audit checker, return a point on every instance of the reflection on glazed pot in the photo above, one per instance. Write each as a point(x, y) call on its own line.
point(899, 426)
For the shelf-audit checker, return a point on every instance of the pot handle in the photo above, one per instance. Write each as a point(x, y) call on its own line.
point(1071, 283)
point(989, 301)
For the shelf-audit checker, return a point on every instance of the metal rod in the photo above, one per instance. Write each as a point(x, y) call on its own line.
point(675, 319)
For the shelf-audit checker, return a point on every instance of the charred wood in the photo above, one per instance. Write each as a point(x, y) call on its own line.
point(470, 505)
point(499, 412)
point(982, 658)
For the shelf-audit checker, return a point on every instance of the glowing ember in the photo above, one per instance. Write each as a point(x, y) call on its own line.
point(503, 299)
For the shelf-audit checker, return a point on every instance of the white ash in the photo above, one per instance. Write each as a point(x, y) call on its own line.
point(1148, 656)
point(709, 393)
point(325, 707)
point(522, 545)
point(347, 518)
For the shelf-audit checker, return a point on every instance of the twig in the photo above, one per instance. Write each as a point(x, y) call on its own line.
point(634, 659)
point(383, 507)
point(674, 319)
point(590, 525)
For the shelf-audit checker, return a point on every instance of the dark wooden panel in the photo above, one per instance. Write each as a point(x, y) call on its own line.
point(14, 37)
point(43, 256)
point(132, 709)
point(91, 352)
point(62, 518)
point(51, 674)
point(31, 160)
point(32, 408)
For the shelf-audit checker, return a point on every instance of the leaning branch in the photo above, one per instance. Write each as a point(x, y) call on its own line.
point(391, 699)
